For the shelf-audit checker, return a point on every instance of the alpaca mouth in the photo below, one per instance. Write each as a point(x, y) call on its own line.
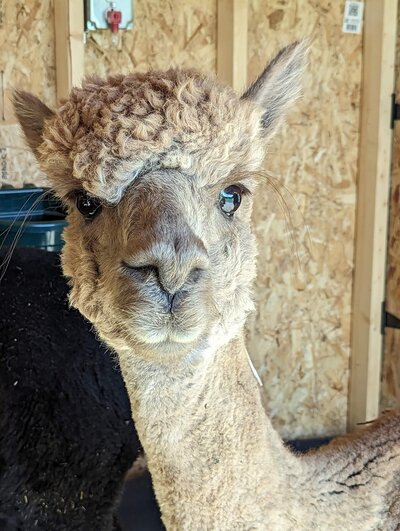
point(178, 319)
point(166, 333)
point(170, 335)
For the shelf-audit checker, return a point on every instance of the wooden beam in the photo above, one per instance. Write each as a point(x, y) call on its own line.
point(69, 29)
point(379, 46)
point(232, 43)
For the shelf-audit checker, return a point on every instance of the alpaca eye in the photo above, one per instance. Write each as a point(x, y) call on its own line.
point(87, 205)
point(230, 199)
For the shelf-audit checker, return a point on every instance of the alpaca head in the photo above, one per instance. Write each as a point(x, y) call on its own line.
point(157, 172)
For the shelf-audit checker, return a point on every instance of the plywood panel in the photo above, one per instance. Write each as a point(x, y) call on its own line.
point(27, 61)
point(390, 397)
point(300, 336)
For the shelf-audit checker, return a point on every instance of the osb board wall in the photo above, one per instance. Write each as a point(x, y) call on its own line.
point(300, 335)
point(166, 33)
point(27, 60)
point(391, 361)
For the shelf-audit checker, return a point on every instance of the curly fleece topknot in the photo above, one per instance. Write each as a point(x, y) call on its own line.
point(108, 131)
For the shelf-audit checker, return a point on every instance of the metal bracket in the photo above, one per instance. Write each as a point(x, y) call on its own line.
point(395, 114)
point(388, 320)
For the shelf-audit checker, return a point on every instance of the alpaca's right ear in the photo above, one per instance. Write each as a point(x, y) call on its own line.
point(279, 85)
point(31, 114)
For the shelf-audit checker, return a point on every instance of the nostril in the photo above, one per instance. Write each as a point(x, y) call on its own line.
point(196, 274)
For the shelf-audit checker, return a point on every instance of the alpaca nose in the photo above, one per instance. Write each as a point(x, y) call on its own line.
point(174, 265)
point(143, 273)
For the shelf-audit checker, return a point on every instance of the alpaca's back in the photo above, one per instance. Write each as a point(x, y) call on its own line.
point(356, 478)
point(66, 435)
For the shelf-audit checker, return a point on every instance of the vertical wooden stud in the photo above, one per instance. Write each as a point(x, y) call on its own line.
point(69, 29)
point(379, 47)
point(232, 43)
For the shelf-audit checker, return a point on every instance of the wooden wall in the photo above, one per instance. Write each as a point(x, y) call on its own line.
point(27, 60)
point(165, 33)
point(299, 337)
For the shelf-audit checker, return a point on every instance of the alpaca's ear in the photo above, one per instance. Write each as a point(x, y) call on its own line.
point(279, 84)
point(31, 114)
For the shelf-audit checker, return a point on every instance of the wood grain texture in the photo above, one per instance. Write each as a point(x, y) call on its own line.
point(232, 20)
point(27, 60)
point(68, 25)
point(166, 33)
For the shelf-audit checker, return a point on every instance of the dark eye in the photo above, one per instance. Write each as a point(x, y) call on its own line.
point(87, 205)
point(230, 199)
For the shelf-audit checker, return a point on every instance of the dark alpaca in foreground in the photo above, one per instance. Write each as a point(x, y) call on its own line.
point(66, 435)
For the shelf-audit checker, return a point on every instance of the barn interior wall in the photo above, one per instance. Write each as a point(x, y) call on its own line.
point(27, 61)
point(300, 334)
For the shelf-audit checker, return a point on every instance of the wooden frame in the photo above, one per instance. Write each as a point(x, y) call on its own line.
point(380, 29)
point(69, 31)
point(232, 43)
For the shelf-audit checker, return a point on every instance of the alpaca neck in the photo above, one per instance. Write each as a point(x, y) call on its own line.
point(210, 447)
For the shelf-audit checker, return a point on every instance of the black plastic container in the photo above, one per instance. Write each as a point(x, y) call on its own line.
point(32, 217)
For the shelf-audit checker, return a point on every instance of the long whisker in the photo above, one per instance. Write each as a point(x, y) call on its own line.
point(5, 263)
point(293, 217)
point(6, 231)
point(296, 210)
point(19, 231)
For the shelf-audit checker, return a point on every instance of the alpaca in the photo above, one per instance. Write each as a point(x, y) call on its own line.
point(66, 437)
point(158, 172)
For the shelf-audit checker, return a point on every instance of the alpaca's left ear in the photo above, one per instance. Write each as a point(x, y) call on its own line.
point(31, 114)
point(279, 84)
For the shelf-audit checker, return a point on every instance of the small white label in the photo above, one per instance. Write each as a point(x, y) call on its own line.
point(353, 16)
